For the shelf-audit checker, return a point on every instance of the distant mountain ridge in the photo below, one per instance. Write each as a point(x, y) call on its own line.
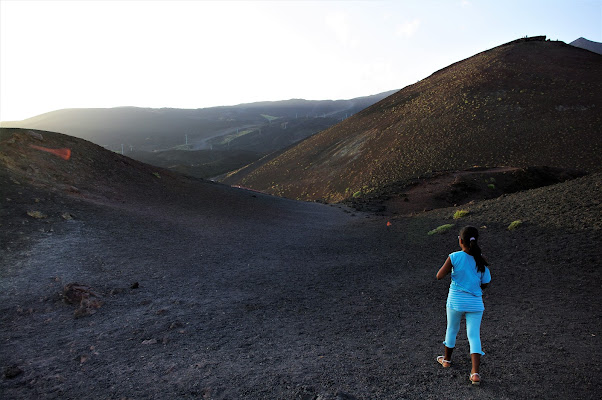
point(583, 43)
point(525, 103)
point(164, 128)
point(217, 139)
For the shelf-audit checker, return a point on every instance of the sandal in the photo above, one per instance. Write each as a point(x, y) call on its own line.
point(441, 360)
point(475, 378)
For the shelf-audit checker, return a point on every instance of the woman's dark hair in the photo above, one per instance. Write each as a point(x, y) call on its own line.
point(470, 238)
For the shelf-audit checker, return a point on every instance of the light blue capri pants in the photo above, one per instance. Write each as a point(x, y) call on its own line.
point(473, 329)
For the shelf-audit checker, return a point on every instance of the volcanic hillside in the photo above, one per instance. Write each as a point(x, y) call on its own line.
point(526, 103)
point(48, 175)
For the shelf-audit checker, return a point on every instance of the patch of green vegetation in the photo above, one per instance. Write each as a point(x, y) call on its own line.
point(269, 117)
point(183, 147)
point(37, 214)
point(157, 175)
point(357, 194)
point(460, 213)
point(514, 224)
point(441, 229)
point(491, 186)
point(67, 216)
point(222, 140)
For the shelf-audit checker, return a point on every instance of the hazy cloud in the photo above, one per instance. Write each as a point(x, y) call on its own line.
point(408, 29)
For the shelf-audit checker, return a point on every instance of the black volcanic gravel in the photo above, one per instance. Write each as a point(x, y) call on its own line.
point(205, 291)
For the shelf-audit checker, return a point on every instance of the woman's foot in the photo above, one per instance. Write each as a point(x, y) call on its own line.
point(475, 378)
point(441, 360)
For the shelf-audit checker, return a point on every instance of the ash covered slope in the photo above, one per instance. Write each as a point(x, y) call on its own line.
point(525, 103)
point(89, 173)
point(32, 179)
point(81, 169)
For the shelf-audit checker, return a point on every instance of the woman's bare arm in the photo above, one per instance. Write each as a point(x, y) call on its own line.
point(445, 269)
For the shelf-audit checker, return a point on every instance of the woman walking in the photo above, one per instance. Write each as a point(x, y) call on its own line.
point(469, 276)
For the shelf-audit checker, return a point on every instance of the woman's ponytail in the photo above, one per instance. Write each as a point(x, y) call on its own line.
point(470, 237)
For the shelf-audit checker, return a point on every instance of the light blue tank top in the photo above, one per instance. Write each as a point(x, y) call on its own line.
point(465, 293)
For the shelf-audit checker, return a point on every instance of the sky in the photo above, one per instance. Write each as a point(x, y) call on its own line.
point(196, 54)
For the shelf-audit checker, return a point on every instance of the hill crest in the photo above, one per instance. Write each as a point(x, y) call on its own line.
point(525, 103)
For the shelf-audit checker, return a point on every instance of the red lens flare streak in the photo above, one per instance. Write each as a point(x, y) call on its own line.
point(65, 154)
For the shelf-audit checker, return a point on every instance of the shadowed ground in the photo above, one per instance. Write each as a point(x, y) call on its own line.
point(242, 295)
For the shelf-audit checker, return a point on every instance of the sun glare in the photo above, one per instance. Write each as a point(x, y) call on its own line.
point(191, 54)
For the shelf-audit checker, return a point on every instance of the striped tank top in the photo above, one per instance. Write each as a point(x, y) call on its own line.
point(465, 293)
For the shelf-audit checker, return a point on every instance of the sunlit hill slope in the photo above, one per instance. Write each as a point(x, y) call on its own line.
point(525, 103)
